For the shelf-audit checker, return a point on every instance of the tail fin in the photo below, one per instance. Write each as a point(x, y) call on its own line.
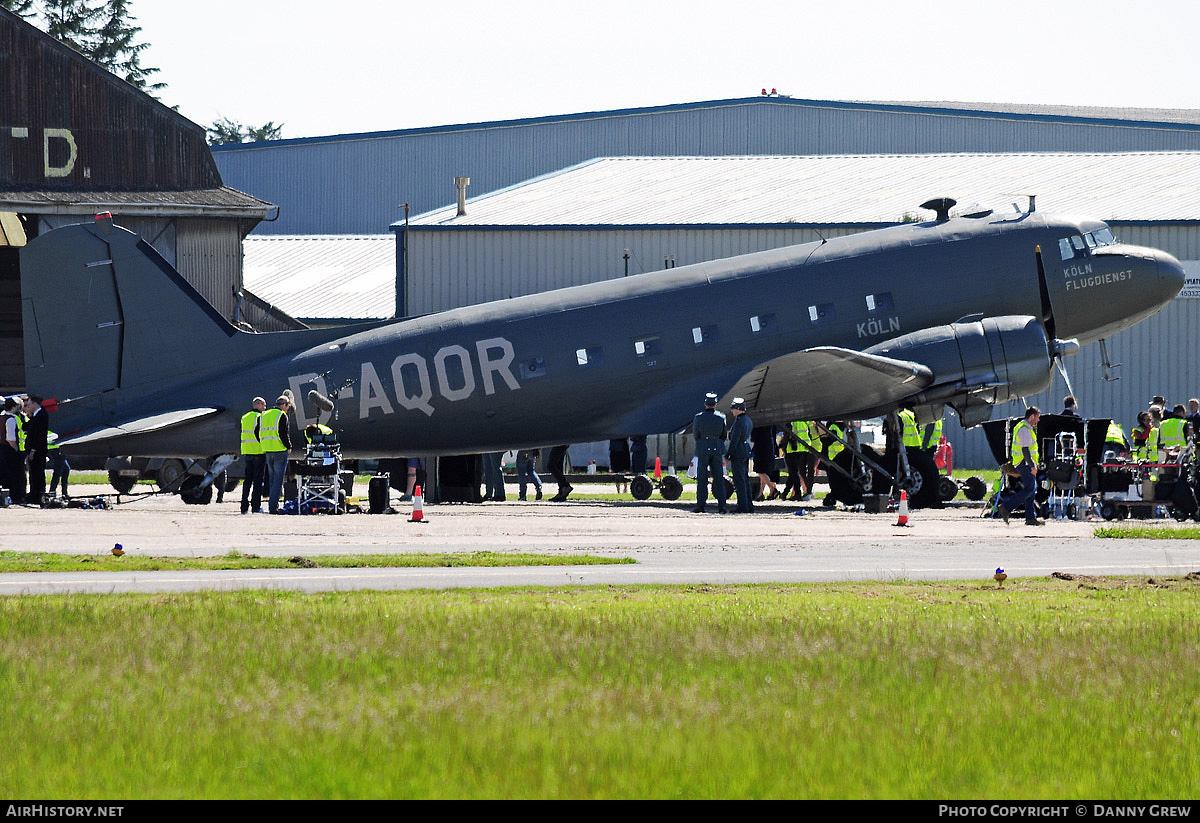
point(102, 310)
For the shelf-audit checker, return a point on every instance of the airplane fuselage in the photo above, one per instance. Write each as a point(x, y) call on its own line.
point(637, 355)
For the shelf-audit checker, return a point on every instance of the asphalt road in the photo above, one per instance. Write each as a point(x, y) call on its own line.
point(670, 545)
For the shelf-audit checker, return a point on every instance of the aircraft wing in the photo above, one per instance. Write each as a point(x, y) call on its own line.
point(826, 382)
point(141, 425)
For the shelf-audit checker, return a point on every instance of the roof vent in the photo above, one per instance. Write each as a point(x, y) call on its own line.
point(461, 184)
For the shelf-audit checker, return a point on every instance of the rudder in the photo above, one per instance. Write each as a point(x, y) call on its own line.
point(102, 310)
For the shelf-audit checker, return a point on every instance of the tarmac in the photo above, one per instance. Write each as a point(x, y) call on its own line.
point(669, 543)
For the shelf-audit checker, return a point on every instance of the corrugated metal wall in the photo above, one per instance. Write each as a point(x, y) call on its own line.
point(209, 256)
point(69, 124)
point(353, 184)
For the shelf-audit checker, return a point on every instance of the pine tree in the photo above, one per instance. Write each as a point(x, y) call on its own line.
point(21, 8)
point(115, 46)
point(71, 21)
point(102, 30)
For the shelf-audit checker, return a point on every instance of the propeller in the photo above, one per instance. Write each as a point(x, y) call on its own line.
point(1058, 348)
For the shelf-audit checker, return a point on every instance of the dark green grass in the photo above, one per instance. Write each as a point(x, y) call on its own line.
point(134, 562)
point(1040, 689)
point(1165, 531)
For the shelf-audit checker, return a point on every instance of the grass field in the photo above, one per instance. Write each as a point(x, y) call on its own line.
point(1086, 688)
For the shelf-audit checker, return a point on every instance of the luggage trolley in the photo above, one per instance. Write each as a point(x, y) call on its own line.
point(319, 476)
point(1064, 474)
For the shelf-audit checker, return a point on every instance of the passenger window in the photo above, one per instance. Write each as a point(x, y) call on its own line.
point(762, 323)
point(593, 356)
point(646, 347)
point(879, 302)
point(821, 314)
point(704, 335)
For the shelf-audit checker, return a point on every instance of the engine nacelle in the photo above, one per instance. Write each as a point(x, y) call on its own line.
point(978, 364)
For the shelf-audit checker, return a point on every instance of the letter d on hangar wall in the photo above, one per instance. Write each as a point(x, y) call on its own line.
point(72, 152)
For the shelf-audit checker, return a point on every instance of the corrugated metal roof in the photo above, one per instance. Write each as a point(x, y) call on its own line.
point(222, 201)
point(325, 276)
point(1188, 117)
point(836, 189)
point(1179, 117)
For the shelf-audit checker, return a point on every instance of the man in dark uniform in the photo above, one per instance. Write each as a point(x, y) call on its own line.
point(739, 454)
point(37, 431)
point(708, 427)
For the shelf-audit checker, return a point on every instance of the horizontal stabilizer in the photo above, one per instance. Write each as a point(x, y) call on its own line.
point(155, 422)
point(826, 382)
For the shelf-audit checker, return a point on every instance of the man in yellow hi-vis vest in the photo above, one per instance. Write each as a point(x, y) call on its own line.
point(255, 463)
point(1025, 457)
point(276, 440)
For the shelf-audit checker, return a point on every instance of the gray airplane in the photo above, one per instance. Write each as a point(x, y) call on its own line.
point(967, 311)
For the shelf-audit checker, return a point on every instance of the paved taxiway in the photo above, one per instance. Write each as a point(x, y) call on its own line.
point(670, 545)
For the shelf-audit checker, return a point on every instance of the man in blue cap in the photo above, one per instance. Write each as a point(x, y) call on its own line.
point(739, 454)
point(708, 427)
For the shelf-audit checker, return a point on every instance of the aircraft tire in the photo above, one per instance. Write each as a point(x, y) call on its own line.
point(123, 484)
point(168, 474)
point(195, 495)
point(923, 479)
point(843, 490)
point(929, 493)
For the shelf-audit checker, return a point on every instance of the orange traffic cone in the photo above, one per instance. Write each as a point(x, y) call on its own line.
point(418, 515)
point(658, 468)
point(903, 520)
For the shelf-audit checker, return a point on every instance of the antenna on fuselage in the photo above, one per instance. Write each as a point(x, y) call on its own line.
point(1032, 198)
point(942, 206)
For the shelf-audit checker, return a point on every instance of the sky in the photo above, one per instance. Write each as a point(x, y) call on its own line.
point(351, 66)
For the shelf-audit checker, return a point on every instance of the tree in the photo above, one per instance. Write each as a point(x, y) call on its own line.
point(225, 131)
point(101, 30)
point(114, 46)
point(70, 21)
point(21, 8)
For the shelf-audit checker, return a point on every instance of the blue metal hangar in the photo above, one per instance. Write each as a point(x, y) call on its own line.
point(356, 183)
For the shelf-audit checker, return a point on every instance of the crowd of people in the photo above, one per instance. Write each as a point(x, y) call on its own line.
point(28, 447)
point(1161, 437)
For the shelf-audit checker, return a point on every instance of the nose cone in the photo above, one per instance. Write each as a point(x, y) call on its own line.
point(1171, 277)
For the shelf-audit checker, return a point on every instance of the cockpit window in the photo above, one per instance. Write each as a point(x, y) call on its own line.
point(1080, 246)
